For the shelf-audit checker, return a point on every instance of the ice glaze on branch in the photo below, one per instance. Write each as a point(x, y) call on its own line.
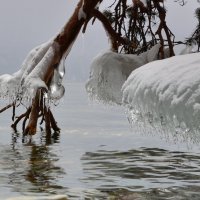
point(42, 74)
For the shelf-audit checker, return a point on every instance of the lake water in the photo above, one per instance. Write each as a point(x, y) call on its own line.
point(96, 156)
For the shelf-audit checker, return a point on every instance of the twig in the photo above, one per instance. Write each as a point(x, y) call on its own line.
point(25, 119)
point(14, 125)
point(47, 121)
point(13, 116)
point(6, 107)
point(53, 122)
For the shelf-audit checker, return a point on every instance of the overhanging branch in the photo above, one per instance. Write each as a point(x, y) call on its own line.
point(116, 39)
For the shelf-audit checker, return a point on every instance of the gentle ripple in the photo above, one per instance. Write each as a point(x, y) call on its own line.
point(95, 157)
point(160, 173)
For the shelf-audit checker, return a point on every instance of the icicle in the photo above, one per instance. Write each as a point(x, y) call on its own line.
point(81, 13)
point(57, 90)
point(61, 69)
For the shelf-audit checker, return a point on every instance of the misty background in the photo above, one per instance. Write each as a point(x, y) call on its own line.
point(26, 24)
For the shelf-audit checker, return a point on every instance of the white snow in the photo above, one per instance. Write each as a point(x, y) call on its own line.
point(23, 84)
point(33, 58)
point(34, 80)
point(109, 71)
point(10, 85)
point(167, 91)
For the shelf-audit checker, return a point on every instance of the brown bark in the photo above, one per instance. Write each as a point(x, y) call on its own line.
point(32, 124)
point(64, 40)
point(7, 107)
point(163, 26)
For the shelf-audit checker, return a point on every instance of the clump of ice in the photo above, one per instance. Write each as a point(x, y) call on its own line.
point(109, 71)
point(168, 91)
point(57, 90)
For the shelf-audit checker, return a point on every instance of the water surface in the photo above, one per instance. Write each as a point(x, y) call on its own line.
point(96, 156)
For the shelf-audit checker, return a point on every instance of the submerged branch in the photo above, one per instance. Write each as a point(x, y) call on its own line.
point(13, 116)
point(14, 125)
point(25, 119)
point(53, 122)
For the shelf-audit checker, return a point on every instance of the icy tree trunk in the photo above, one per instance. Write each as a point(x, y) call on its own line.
point(64, 40)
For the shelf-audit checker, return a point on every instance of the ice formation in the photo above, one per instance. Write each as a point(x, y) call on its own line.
point(34, 80)
point(33, 58)
point(10, 85)
point(57, 90)
point(24, 84)
point(167, 91)
point(109, 71)
point(81, 13)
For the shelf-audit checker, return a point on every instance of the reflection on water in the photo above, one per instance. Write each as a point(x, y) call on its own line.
point(96, 157)
point(30, 168)
point(34, 167)
point(152, 173)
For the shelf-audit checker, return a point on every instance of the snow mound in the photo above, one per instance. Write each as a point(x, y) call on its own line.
point(109, 71)
point(166, 91)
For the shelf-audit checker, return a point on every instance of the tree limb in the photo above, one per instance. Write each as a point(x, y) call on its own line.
point(6, 107)
point(115, 37)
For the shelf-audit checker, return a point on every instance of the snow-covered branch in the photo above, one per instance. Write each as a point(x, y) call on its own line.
point(167, 90)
